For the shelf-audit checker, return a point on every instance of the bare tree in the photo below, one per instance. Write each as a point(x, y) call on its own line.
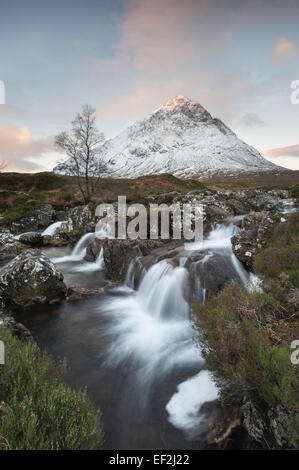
point(81, 144)
point(3, 165)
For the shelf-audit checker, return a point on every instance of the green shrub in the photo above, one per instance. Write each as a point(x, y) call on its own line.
point(282, 253)
point(37, 410)
point(241, 355)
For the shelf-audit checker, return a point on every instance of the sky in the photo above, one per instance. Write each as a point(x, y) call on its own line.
point(128, 57)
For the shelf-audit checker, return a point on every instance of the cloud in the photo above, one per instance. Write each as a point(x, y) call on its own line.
point(289, 151)
point(283, 50)
point(147, 98)
point(252, 120)
point(159, 36)
point(19, 149)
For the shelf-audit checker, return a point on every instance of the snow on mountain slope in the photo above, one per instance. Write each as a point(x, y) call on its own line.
point(180, 138)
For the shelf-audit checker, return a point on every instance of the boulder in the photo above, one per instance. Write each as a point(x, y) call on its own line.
point(31, 239)
point(93, 249)
point(31, 278)
point(79, 218)
point(118, 254)
point(45, 215)
point(9, 246)
point(214, 271)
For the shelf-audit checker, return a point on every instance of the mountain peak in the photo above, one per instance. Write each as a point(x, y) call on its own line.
point(181, 138)
point(177, 101)
point(183, 104)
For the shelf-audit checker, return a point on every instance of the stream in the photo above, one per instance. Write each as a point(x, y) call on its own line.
point(135, 349)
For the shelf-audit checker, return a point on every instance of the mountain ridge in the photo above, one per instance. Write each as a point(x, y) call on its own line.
point(181, 138)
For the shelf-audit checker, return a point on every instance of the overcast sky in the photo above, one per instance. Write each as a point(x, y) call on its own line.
point(127, 57)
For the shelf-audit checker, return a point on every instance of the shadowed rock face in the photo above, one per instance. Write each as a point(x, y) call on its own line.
point(215, 273)
point(118, 255)
point(31, 239)
point(93, 249)
point(31, 278)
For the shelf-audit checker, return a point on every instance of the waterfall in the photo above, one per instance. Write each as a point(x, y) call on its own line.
point(52, 228)
point(151, 327)
point(79, 250)
point(161, 291)
point(135, 271)
point(218, 238)
point(90, 267)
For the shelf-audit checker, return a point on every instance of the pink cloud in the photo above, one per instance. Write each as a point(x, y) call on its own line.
point(17, 147)
point(283, 50)
point(147, 98)
point(289, 151)
point(162, 35)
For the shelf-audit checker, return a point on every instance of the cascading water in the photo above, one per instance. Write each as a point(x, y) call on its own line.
point(90, 267)
point(219, 241)
point(79, 250)
point(152, 336)
point(52, 228)
point(151, 325)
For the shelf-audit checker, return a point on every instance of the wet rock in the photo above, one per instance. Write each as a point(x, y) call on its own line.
point(9, 246)
point(214, 271)
point(31, 278)
point(118, 255)
point(93, 249)
point(31, 239)
point(75, 293)
point(171, 253)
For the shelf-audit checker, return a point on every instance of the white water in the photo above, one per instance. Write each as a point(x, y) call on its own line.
point(52, 228)
point(184, 406)
point(90, 267)
point(218, 238)
point(150, 327)
point(79, 250)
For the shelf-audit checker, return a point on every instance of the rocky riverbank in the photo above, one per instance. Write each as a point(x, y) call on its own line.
point(246, 217)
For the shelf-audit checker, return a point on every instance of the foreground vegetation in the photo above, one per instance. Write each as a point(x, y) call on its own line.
point(37, 410)
point(246, 337)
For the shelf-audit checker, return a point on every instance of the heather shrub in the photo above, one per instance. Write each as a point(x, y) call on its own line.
point(243, 358)
point(281, 254)
point(37, 410)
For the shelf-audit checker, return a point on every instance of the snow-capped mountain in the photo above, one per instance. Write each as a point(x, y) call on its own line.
point(180, 138)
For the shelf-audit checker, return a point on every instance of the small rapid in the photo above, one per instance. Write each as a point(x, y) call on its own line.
point(52, 228)
point(78, 252)
point(150, 327)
